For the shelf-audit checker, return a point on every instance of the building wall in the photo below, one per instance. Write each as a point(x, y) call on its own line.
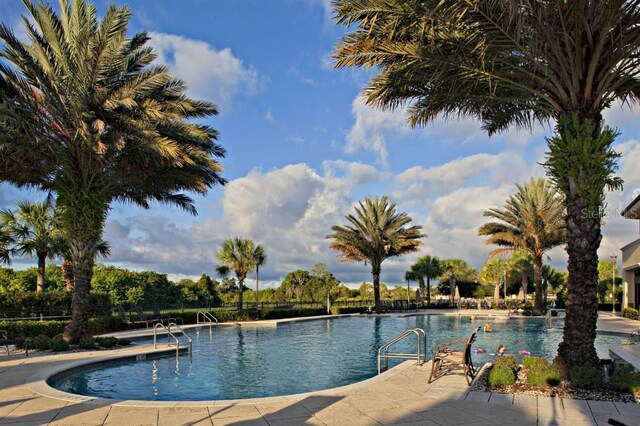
point(630, 263)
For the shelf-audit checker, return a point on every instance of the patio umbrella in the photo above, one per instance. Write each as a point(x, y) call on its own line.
point(456, 295)
point(521, 294)
point(496, 293)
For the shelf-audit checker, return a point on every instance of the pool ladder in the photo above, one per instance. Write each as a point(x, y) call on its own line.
point(170, 334)
point(207, 318)
point(419, 356)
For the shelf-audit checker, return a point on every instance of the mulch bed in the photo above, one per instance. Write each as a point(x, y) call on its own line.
point(564, 390)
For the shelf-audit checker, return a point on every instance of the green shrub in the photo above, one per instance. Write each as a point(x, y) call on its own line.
point(41, 342)
point(124, 342)
point(106, 342)
point(25, 328)
point(586, 377)
point(105, 324)
point(58, 344)
point(338, 310)
point(630, 313)
point(507, 361)
point(536, 312)
point(501, 375)
point(87, 343)
point(625, 378)
point(548, 375)
point(533, 362)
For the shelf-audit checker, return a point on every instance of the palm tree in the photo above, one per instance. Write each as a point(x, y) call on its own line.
point(5, 247)
point(84, 106)
point(376, 232)
point(426, 267)
point(238, 255)
point(408, 277)
point(34, 228)
point(454, 270)
point(532, 220)
point(509, 64)
point(260, 258)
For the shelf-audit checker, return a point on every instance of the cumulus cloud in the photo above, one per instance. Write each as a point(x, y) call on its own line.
point(213, 74)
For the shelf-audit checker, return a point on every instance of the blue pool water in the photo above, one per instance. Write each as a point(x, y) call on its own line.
point(238, 362)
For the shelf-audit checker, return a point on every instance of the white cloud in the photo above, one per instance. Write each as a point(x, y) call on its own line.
point(326, 61)
point(269, 116)
point(372, 127)
point(300, 76)
point(213, 74)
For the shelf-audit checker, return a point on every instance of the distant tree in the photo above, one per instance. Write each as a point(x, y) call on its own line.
point(293, 284)
point(260, 258)
point(238, 254)
point(533, 219)
point(456, 271)
point(521, 266)
point(366, 291)
point(34, 228)
point(375, 233)
point(492, 272)
point(426, 267)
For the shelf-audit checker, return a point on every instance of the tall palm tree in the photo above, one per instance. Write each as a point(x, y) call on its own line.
point(85, 114)
point(238, 255)
point(35, 230)
point(426, 267)
point(376, 232)
point(510, 63)
point(408, 277)
point(532, 219)
point(454, 270)
point(5, 247)
point(260, 258)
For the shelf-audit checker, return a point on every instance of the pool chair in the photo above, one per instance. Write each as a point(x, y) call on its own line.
point(143, 317)
point(5, 341)
point(128, 321)
point(158, 316)
point(453, 354)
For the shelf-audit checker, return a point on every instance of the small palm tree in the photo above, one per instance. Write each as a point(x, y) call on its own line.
point(260, 258)
point(409, 276)
point(238, 255)
point(86, 115)
point(532, 220)
point(426, 267)
point(5, 247)
point(35, 231)
point(376, 232)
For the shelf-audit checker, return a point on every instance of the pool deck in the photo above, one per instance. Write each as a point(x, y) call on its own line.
point(398, 396)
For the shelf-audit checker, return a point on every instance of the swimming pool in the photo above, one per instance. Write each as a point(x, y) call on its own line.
point(246, 362)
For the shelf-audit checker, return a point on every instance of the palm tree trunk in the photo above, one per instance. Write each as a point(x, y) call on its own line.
point(422, 290)
point(67, 274)
point(240, 292)
point(375, 271)
point(428, 291)
point(42, 261)
point(82, 255)
point(537, 279)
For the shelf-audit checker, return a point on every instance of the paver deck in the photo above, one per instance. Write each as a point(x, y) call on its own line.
point(399, 396)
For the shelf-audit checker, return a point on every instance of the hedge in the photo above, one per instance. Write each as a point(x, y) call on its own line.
point(337, 310)
point(32, 328)
point(630, 313)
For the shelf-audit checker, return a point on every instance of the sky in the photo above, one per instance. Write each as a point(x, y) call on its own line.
point(303, 149)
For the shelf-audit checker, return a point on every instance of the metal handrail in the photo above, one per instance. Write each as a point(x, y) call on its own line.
point(206, 316)
point(170, 334)
point(419, 356)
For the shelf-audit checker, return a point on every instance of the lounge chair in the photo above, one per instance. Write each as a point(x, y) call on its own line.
point(143, 317)
point(158, 316)
point(128, 321)
point(5, 341)
point(454, 354)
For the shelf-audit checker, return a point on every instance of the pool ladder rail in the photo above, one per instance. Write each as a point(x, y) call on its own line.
point(170, 335)
point(419, 356)
point(207, 318)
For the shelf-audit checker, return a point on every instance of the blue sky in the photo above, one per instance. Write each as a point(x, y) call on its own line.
point(303, 148)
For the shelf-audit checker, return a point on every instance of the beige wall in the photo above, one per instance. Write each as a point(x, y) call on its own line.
point(630, 258)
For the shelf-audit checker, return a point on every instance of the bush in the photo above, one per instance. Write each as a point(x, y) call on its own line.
point(536, 312)
point(338, 310)
point(625, 378)
point(105, 324)
point(87, 343)
point(107, 342)
point(540, 372)
point(587, 377)
point(553, 313)
point(501, 375)
point(58, 344)
point(20, 342)
point(41, 342)
point(630, 313)
point(124, 342)
point(32, 328)
point(534, 362)
point(507, 361)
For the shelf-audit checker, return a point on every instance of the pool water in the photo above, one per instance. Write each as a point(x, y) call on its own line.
point(246, 362)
